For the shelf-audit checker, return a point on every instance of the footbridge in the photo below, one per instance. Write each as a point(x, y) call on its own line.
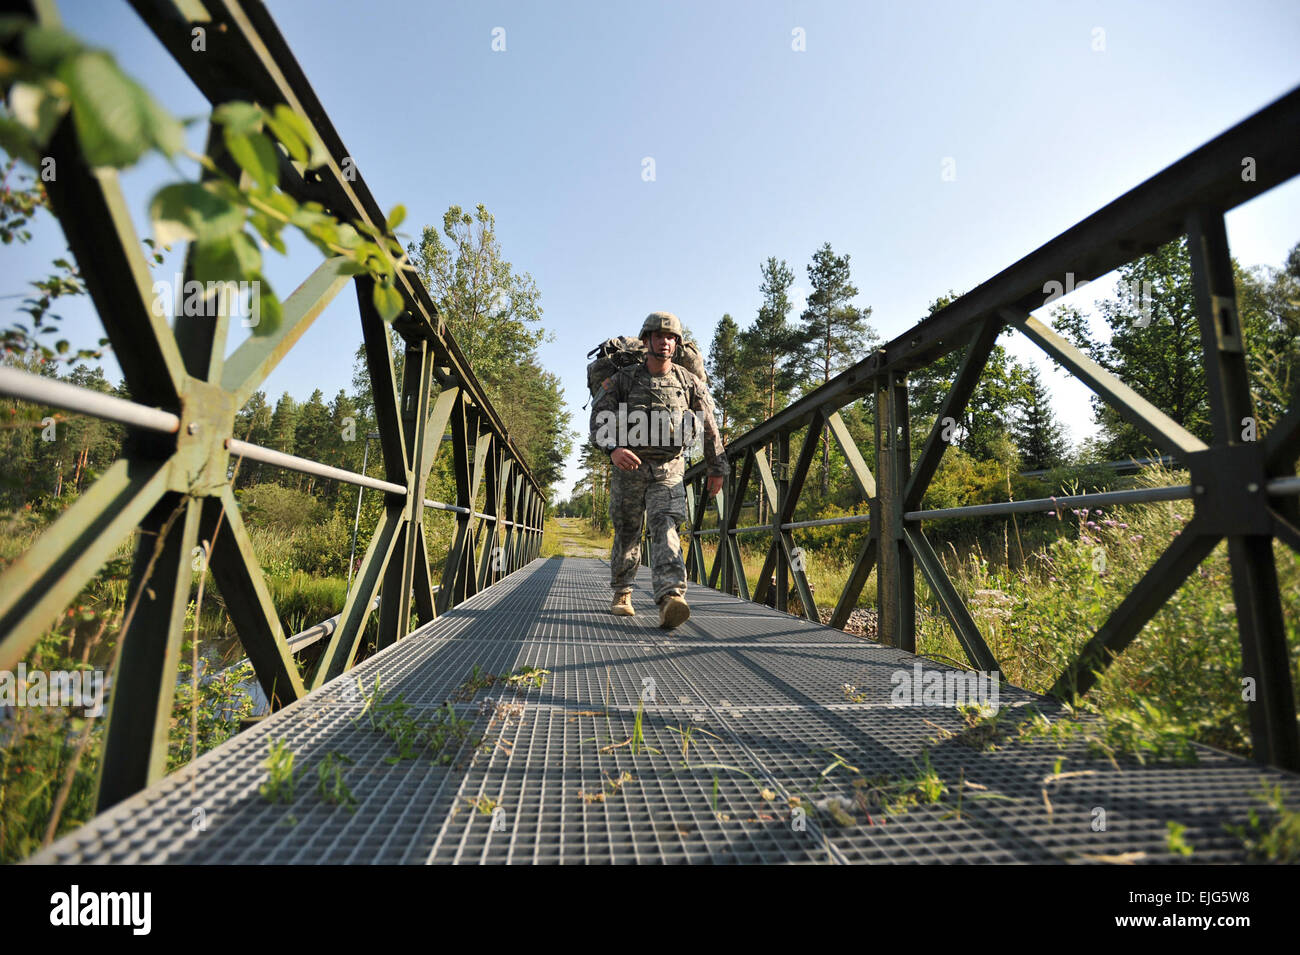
point(504, 715)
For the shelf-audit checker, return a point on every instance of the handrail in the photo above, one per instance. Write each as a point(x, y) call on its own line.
point(1240, 489)
point(170, 485)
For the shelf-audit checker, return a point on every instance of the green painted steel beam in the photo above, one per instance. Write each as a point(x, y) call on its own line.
point(149, 645)
point(862, 475)
point(247, 600)
point(258, 356)
point(346, 639)
point(950, 602)
point(1141, 603)
point(954, 406)
point(57, 566)
point(858, 576)
point(1168, 435)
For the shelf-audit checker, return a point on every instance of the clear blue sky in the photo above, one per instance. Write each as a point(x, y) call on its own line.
point(759, 150)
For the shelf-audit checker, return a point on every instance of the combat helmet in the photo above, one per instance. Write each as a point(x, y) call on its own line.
point(662, 322)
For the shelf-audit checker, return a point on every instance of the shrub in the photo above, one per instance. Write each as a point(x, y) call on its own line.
point(322, 548)
point(279, 508)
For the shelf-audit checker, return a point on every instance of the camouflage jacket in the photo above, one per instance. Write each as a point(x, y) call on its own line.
point(650, 415)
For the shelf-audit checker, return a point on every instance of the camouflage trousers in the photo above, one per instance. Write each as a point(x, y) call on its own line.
point(657, 491)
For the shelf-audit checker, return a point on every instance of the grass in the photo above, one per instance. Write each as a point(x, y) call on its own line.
point(1274, 837)
point(573, 536)
point(440, 736)
point(1175, 841)
point(279, 784)
point(524, 678)
point(1181, 674)
point(329, 782)
point(636, 742)
point(611, 787)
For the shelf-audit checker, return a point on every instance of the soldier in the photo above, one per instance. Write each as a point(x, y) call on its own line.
point(641, 418)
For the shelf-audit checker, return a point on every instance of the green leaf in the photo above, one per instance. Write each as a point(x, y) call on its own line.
point(348, 237)
point(257, 156)
point(46, 47)
point(388, 301)
point(166, 131)
point(352, 267)
point(316, 154)
point(186, 210)
point(11, 26)
point(37, 109)
point(264, 307)
point(396, 217)
point(309, 219)
point(116, 119)
point(238, 118)
point(287, 133)
point(269, 230)
point(16, 140)
point(214, 260)
point(247, 253)
point(281, 203)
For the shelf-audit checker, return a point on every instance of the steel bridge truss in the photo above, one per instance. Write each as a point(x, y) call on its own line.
point(171, 481)
point(1243, 491)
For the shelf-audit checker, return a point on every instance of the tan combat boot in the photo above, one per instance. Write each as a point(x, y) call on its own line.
point(673, 612)
point(622, 606)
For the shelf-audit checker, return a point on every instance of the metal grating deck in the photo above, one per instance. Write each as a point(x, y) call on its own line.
point(764, 693)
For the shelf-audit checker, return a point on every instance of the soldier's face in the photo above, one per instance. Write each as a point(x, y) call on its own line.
point(663, 344)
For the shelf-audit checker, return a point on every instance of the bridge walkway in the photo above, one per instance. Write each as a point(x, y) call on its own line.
point(763, 738)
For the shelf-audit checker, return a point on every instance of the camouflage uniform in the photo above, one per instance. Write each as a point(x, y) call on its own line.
point(655, 489)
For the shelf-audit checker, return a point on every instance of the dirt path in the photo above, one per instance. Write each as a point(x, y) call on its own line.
point(574, 539)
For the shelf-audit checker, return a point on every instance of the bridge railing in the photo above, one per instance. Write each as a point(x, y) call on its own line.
point(1242, 490)
point(171, 482)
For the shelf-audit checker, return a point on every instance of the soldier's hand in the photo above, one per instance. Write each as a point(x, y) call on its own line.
point(625, 460)
point(715, 485)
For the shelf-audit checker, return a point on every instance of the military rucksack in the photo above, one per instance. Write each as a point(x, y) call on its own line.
point(611, 355)
point(615, 353)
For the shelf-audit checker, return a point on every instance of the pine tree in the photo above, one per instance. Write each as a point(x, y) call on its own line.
point(253, 424)
point(835, 333)
point(347, 432)
point(1037, 432)
point(734, 395)
point(982, 429)
point(770, 345)
point(313, 435)
point(284, 423)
